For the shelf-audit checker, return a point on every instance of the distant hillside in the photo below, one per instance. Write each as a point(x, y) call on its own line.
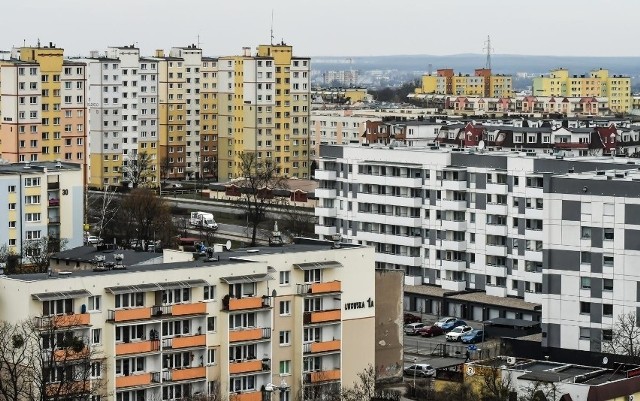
point(465, 63)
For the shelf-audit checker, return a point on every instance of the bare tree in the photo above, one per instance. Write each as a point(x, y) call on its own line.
point(36, 253)
point(496, 387)
point(48, 359)
point(260, 179)
point(104, 208)
point(364, 388)
point(139, 170)
point(165, 169)
point(210, 167)
point(539, 391)
point(297, 222)
point(625, 336)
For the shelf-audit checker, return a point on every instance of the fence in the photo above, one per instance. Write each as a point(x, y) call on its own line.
point(450, 350)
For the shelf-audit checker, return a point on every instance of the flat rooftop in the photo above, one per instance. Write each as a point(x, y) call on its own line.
point(226, 258)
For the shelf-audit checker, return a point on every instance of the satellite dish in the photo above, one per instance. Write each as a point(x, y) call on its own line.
point(227, 245)
point(605, 360)
point(481, 145)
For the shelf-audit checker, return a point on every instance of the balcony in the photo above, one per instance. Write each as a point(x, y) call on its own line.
point(496, 250)
point(326, 193)
point(236, 304)
point(54, 202)
point(326, 211)
point(67, 388)
point(453, 285)
point(452, 225)
point(137, 347)
point(319, 288)
point(497, 229)
point(496, 291)
point(496, 270)
point(537, 214)
point(54, 220)
point(535, 256)
point(247, 396)
point(255, 365)
point(322, 316)
point(498, 189)
point(125, 315)
point(454, 265)
point(255, 334)
point(453, 245)
point(399, 259)
point(184, 374)
point(326, 346)
point(199, 340)
point(456, 205)
point(197, 308)
point(322, 376)
point(53, 185)
point(453, 185)
point(496, 208)
point(325, 230)
point(66, 354)
point(136, 380)
point(60, 321)
point(329, 175)
point(533, 234)
point(375, 198)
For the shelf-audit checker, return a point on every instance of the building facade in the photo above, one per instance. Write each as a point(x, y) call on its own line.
point(497, 223)
point(483, 83)
point(300, 317)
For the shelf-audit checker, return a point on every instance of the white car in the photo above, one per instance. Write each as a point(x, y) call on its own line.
point(444, 321)
point(457, 333)
point(420, 370)
point(411, 329)
point(93, 240)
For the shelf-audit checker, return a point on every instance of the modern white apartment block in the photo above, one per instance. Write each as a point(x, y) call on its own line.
point(552, 231)
point(300, 317)
point(42, 199)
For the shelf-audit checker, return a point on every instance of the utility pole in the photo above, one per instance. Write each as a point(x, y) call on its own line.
point(489, 49)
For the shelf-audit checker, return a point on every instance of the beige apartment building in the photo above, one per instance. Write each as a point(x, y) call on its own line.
point(300, 317)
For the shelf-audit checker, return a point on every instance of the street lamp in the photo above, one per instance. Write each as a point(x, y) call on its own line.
point(415, 360)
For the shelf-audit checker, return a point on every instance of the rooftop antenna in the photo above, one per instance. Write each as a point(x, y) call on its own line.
point(489, 49)
point(272, 27)
point(430, 68)
point(199, 43)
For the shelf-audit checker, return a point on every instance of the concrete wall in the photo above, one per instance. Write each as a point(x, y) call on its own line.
point(389, 323)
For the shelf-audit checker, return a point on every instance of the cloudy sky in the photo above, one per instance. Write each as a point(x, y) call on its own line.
point(330, 27)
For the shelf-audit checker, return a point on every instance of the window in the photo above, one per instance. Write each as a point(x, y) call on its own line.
point(285, 308)
point(607, 260)
point(32, 199)
point(607, 335)
point(285, 367)
point(607, 284)
point(285, 337)
point(12, 188)
point(284, 277)
point(585, 257)
point(585, 307)
point(209, 292)
point(211, 356)
point(585, 233)
point(57, 307)
point(313, 276)
point(608, 234)
point(32, 182)
point(585, 333)
point(96, 370)
point(96, 336)
point(608, 209)
point(94, 303)
point(176, 296)
point(585, 282)
point(12, 206)
point(130, 299)
point(211, 323)
point(607, 310)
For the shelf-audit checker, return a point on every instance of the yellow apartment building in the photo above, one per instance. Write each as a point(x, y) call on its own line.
point(298, 319)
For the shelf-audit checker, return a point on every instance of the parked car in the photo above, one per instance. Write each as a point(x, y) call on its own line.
point(430, 331)
point(420, 370)
point(456, 333)
point(453, 324)
point(93, 240)
point(411, 329)
point(445, 320)
point(473, 337)
point(411, 318)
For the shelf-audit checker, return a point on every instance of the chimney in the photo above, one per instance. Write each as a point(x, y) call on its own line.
point(159, 53)
point(94, 54)
point(246, 51)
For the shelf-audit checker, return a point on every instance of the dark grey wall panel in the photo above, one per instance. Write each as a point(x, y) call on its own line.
point(596, 287)
point(479, 160)
point(632, 214)
point(552, 284)
point(553, 335)
point(481, 201)
point(481, 181)
point(560, 259)
point(331, 151)
point(596, 237)
point(481, 281)
point(596, 262)
point(632, 239)
point(521, 205)
point(521, 288)
point(571, 210)
point(596, 312)
point(595, 340)
point(574, 186)
point(521, 226)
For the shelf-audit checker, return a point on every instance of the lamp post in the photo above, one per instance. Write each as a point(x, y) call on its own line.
point(415, 360)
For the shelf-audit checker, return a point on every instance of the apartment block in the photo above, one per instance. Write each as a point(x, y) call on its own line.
point(482, 83)
point(514, 229)
point(598, 83)
point(43, 199)
point(43, 105)
point(300, 317)
point(336, 127)
point(209, 118)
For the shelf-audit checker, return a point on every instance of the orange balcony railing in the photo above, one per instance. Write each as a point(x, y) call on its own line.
point(185, 374)
point(248, 396)
point(325, 346)
point(322, 316)
point(138, 347)
point(197, 308)
point(68, 354)
point(245, 303)
point(67, 388)
point(249, 334)
point(77, 319)
point(185, 342)
point(322, 376)
point(331, 286)
point(123, 315)
point(246, 366)
point(133, 380)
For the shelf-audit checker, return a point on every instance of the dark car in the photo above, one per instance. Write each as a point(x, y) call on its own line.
point(473, 337)
point(431, 331)
point(452, 325)
point(411, 318)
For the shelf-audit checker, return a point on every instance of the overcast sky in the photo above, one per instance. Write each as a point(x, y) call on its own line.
point(330, 27)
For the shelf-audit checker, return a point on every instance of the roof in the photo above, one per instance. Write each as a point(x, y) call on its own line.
point(483, 298)
point(425, 290)
point(36, 167)
point(512, 322)
point(87, 254)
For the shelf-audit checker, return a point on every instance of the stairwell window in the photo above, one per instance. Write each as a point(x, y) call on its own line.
point(210, 293)
point(285, 338)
